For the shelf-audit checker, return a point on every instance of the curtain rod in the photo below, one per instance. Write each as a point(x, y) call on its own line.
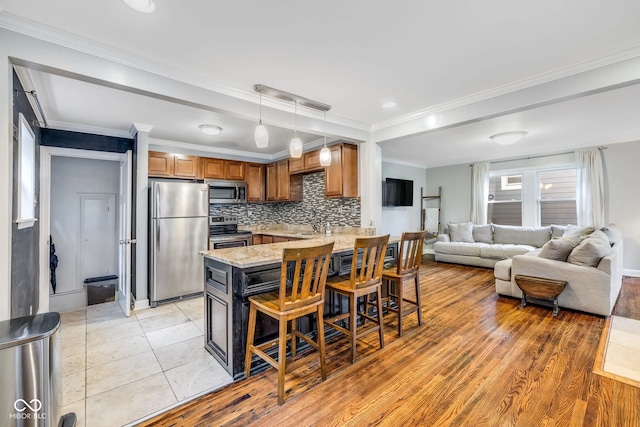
point(35, 98)
point(538, 157)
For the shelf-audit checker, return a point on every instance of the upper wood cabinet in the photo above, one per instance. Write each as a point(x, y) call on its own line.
point(212, 168)
point(296, 165)
point(280, 185)
point(223, 169)
point(173, 165)
point(341, 177)
point(160, 164)
point(234, 169)
point(255, 174)
point(312, 161)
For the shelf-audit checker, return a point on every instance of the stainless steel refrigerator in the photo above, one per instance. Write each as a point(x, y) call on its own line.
point(179, 229)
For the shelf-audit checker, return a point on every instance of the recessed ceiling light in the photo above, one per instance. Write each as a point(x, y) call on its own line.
point(210, 129)
point(390, 104)
point(146, 6)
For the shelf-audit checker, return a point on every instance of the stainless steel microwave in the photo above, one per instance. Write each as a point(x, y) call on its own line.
point(227, 192)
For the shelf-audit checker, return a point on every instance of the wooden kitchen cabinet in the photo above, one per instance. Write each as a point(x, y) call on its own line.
point(213, 168)
point(341, 177)
point(173, 165)
point(223, 169)
point(255, 174)
point(296, 165)
point(282, 187)
point(234, 169)
point(257, 239)
point(267, 239)
point(279, 239)
point(312, 161)
point(186, 166)
point(160, 164)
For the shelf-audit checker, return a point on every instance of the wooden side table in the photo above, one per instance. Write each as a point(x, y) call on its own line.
point(541, 289)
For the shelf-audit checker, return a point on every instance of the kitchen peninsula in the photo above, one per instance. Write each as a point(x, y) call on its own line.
point(232, 275)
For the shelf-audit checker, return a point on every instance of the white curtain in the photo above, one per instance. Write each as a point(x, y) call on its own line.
point(589, 188)
point(479, 193)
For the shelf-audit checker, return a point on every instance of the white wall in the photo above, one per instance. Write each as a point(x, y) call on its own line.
point(456, 191)
point(622, 198)
point(397, 219)
point(69, 177)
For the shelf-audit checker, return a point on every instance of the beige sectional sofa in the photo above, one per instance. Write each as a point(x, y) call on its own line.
point(593, 283)
point(589, 289)
point(488, 244)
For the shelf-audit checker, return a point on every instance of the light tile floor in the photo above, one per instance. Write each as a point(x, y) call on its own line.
point(623, 349)
point(116, 370)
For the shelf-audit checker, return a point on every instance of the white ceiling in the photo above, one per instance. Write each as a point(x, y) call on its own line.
point(354, 56)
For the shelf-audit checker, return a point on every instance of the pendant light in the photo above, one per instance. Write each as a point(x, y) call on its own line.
point(325, 153)
point(295, 147)
point(261, 136)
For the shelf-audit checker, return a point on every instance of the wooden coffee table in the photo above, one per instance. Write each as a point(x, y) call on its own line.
point(540, 289)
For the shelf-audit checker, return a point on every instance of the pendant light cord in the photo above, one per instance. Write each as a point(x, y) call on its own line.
point(325, 128)
point(260, 108)
point(295, 118)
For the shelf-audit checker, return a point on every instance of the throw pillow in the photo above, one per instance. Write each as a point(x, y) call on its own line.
point(462, 232)
point(612, 233)
point(557, 230)
point(591, 250)
point(559, 249)
point(483, 233)
point(574, 229)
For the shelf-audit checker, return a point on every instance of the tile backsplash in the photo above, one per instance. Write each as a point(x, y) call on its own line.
point(333, 211)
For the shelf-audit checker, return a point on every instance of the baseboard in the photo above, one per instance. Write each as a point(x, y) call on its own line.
point(630, 273)
point(141, 304)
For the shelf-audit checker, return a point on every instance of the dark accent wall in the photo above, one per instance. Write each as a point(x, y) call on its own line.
point(24, 242)
point(85, 141)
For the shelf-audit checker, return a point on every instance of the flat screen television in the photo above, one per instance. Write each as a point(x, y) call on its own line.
point(397, 192)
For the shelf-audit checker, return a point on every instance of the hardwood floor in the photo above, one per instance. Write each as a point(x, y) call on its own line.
point(476, 360)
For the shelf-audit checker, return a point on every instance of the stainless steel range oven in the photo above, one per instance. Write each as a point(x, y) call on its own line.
point(224, 233)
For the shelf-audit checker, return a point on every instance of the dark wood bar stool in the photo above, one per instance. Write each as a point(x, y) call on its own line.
point(364, 281)
point(408, 269)
point(302, 296)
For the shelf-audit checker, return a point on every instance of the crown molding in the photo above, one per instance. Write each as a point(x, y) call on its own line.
point(209, 149)
point(403, 163)
point(49, 34)
point(139, 127)
point(526, 83)
point(95, 130)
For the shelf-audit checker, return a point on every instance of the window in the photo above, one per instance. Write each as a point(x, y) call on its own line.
point(505, 199)
point(26, 175)
point(557, 197)
point(533, 197)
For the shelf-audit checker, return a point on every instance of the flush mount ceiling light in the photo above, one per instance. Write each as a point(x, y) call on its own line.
point(261, 136)
point(508, 138)
point(145, 6)
point(325, 153)
point(210, 129)
point(390, 104)
point(295, 147)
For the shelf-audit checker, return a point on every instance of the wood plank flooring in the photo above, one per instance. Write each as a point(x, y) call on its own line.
point(477, 360)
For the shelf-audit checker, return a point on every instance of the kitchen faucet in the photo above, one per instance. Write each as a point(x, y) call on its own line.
point(314, 222)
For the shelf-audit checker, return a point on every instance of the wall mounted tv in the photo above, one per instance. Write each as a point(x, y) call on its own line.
point(397, 192)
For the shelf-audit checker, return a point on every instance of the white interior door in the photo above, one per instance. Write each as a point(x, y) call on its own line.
point(96, 243)
point(124, 248)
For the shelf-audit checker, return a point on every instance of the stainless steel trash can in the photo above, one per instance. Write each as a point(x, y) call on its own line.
point(30, 388)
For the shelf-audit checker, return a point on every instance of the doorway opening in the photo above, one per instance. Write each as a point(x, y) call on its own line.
point(85, 213)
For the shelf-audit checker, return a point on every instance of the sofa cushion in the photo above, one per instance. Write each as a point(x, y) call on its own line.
point(612, 233)
point(591, 250)
point(459, 248)
point(559, 249)
point(557, 230)
point(483, 233)
point(504, 251)
point(575, 229)
point(502, 269)
point(532, 236)
point(462, 232)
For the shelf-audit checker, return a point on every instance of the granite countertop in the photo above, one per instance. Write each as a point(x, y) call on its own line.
point(301, 231)
point(252, 256)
